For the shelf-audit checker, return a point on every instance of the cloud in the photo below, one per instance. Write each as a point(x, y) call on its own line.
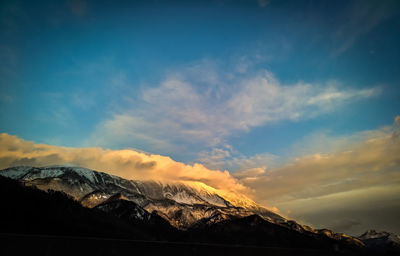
point(57, 112)
point(361, 17)
point(204, 110)
point(225, 157)
point(356, 178)
point(127, 163)
point(250, 173)
point(375, 207)
point(344, 224)
point(323, 142)
point(374, 160)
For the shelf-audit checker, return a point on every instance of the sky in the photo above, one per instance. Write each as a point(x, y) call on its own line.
point(294, 103)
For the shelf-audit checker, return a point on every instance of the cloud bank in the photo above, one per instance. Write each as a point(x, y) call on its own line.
point(372, 161)
point(127, 163)
point(358, 181)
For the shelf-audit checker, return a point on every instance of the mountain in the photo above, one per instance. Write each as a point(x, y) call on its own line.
point(383, 242)
point(27, 210)
point(52, 223)
point(204, 213)
point(182, 204)
point(35, 222)
point(254, 230)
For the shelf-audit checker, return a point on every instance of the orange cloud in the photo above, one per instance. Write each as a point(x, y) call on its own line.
point(374, 160)
point(127, 163)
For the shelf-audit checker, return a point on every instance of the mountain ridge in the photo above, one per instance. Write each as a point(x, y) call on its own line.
point(184, 205)
point(92, 188)
point(29, 211)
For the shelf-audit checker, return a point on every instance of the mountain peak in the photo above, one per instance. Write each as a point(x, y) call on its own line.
point(381, 241)
point(372, 234)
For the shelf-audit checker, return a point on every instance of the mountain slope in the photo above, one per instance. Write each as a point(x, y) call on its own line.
point(29, 213)
point(254, 230)
point(383, 242)
point(26, 210)
point(181, 203)
point(185, 205)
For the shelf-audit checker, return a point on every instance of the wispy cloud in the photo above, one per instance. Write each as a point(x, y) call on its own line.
point(225, 157)
point(199, 106)
point(58, 113)
point(361, 17)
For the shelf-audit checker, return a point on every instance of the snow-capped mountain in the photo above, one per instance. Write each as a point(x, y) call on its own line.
point(181, 203)
point(373, 234)
point(381, 241)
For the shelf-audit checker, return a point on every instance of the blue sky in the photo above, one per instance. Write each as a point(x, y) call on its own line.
point(230, 84)
point(61, 61)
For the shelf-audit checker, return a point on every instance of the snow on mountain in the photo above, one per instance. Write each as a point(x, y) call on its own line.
point(383, 242)
point(373, 234)
point(16, 172)
point(383, 236)
point(181, 203)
